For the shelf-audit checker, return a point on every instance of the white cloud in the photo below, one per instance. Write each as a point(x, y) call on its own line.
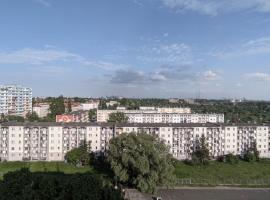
point(51, 55)
point(249, 48)
point(43, 2)
point(215, 7)
point(258, 76)
point(36, 56)
point(170, 54)
point(210, 75)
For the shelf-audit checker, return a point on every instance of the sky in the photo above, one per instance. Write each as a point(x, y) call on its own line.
point(137, 48)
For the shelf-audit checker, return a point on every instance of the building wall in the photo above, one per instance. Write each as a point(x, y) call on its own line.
point(150, 116)
point(42, 110)
point(50, 142)
point(15, 100)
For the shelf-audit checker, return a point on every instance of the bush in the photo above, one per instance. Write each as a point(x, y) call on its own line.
point(249, 156)
point(25, 185)
point(231, 159)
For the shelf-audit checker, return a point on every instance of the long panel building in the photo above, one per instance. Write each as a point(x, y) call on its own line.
point(51, 141)
point(163, 115)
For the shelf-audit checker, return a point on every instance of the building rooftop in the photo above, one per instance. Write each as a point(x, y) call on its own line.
point(82, 124)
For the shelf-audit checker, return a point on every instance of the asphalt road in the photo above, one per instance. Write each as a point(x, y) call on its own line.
point(212, 194)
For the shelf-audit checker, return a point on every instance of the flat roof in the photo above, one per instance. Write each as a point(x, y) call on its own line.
point(107, 124)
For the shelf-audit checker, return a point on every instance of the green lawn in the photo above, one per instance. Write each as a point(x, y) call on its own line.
point(217, 173)
point(42, 167)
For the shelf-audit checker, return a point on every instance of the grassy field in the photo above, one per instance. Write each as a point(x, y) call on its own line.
point(42, 167)
point(216, 173)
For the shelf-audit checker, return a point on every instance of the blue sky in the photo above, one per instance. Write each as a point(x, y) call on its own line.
point(137, 48)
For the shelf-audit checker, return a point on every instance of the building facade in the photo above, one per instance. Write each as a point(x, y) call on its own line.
point(76, 116)
point(162, 115)
point(51, 141)
point(15, 100)
point(42, 109)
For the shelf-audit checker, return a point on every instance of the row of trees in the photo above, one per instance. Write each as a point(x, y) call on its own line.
point(201, 154)
point(248, 111)
point(25, 185)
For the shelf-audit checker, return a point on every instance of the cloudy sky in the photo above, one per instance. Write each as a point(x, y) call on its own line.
point(137, 48)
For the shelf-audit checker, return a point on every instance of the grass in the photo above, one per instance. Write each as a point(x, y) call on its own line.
point(217, 173)
point(42, 167)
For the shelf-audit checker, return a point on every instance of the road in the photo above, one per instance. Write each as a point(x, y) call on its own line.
point(210, 194)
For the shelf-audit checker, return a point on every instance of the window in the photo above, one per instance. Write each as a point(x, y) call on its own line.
point(12, 148)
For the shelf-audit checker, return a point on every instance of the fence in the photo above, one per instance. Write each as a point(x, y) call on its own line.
point(227, 182)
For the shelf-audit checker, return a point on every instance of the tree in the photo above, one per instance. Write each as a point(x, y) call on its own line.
point(140, 161)
point(201, 153)
point(69, 106)
point(57, 106)
point(118, 117)
point(252, 154)
point(15, 118)
point(25, 185)
point(78, 156)
point(32, 117)
point(93, 115)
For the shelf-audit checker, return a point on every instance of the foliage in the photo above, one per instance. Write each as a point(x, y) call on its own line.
point(201, 153)
point(229, 158)
point(118, 117)
point(57, 106)
point(69, 106)
point(32, 117)
point(140, 161)
point(26, 185)
point(78, 156)
point(252, 154)
point(93, 115)
point(14, 118)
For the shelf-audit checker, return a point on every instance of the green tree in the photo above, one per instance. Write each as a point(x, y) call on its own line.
point(69, 106)
point(118, 117)
point(78, 156)
point(252, 154)
point(201, 153)
point(93, 115)
point(32, 117)
point(15, 118)
point(57, 106)
point(140, 161)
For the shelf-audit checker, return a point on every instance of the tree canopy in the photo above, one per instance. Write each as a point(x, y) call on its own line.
point(118, 117)
point(25, 185)
point(32, 116)
point(140, 161)
point(57, 106)
point(79, 156)
point(201, 152)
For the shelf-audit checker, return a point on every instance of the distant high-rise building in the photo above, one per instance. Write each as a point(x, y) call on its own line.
point(15, 100)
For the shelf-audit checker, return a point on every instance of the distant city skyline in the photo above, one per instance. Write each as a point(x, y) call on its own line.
point(137, 48)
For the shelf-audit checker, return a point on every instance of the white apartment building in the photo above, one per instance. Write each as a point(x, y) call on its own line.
point(90, 105)
point(51, 141)
point(15, 100)
point(42, 109)
point(162, 115)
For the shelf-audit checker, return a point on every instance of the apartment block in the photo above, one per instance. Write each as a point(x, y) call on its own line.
point(42, 109)
point(15, 100)
point(162, 115)
point(51, 141)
